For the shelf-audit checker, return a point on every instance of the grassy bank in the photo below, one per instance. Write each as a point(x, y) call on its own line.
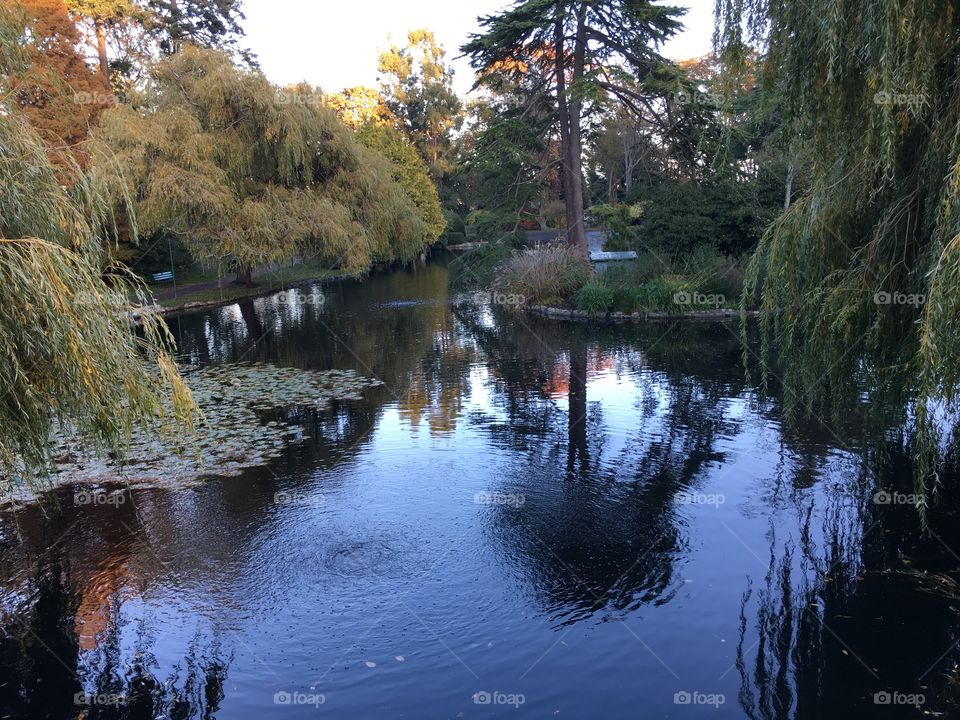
point(211, 288)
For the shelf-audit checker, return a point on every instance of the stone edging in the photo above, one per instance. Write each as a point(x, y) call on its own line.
point(567, 314)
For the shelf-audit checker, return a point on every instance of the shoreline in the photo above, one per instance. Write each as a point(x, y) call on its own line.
point(257, 291)
point(618, 316)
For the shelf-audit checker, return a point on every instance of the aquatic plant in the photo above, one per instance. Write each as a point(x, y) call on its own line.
point(237, 431)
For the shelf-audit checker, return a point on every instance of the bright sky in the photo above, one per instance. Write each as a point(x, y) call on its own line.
point(334, 44)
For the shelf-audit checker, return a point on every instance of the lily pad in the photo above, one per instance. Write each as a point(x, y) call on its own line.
point(236, 434)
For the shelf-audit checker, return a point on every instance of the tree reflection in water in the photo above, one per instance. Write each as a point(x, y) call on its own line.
point(46, 675)
point(838, 607)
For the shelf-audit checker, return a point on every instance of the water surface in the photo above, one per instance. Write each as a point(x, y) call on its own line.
point(527, 519)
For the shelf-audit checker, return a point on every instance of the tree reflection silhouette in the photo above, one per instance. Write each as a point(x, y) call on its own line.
point(599, 533)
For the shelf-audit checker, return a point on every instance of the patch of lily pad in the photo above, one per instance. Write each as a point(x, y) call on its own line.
point(240, 402)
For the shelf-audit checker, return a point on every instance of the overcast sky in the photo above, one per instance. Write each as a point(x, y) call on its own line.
point(334, 44)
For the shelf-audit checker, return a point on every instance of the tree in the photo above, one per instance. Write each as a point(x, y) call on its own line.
point(358, 106)
point(617, 148)
point(409, 171)
point(53, 86)
point(207, 23)
point(509, 170)
point(417, 87)
point(100, 16)
point(595, 47)
point(246, 174)
point(858, 279)
point(69, 357)
point(126, 36)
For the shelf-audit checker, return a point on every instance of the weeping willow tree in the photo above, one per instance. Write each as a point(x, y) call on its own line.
point(70, 359)
point(860, 277)
point(409, 170)
point(247, 174)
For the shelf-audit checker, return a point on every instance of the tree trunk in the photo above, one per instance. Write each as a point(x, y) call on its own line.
point(578, 236)
point(244, 276)
point(563, 115)
point(627, 164)
point(102, 55)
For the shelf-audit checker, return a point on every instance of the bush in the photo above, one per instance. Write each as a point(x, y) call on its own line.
point(454, 222)
point(712, 272)
point(477, 267)
point(594, 297)
point(659, 293)
point(456, 232)
point(632, 273)
point(552, 272)
point(680, 217)
point(627, 298)
point(453, 238)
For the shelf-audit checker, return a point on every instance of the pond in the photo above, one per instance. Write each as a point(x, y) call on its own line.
point(522, 518)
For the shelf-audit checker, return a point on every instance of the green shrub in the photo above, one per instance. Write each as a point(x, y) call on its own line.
point(456, 232)
point(627, 298)
point(594, 297)
point(710, 272)
point(552, 272)
point(454, 222)
point(477, 267)
point(636, 272)
point(661, 292)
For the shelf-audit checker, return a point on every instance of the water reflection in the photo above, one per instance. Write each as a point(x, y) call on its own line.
point(598, 518)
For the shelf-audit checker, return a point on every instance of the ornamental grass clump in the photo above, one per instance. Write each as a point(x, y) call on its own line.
point(556, 272)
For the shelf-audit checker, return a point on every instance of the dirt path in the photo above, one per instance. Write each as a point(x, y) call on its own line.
point(190, 288)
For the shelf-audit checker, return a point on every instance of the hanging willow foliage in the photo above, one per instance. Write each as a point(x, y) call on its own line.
point(70, 358)
point(246, 173)
point(860, 278)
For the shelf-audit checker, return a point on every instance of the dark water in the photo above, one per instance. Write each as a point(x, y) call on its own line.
point(528, 519)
